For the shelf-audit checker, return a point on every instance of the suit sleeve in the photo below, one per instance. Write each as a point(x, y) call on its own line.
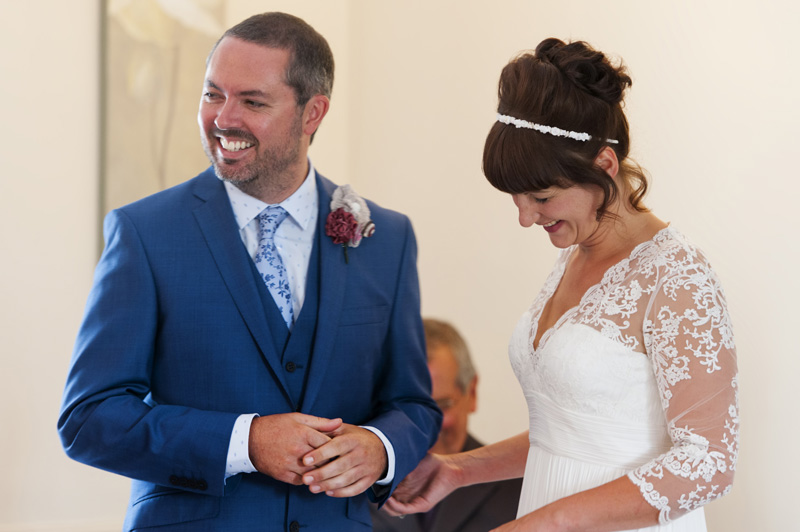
point(109, 418)
point(408, 416)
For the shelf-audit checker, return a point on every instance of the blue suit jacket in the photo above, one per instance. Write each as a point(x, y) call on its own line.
point(176, 344)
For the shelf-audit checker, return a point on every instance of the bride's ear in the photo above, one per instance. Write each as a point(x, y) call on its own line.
point(607, 161)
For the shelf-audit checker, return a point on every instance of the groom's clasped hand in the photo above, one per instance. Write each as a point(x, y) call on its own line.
point(327, 455)
point(353, 460)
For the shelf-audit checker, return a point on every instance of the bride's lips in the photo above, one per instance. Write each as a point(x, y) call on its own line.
point(553, 226)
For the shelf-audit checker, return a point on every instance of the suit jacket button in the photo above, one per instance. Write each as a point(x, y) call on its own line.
point(202, 485)
point(294, 526)
point(174, 480)
point(290, 367)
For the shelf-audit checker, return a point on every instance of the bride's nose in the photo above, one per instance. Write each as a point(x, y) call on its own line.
point(528, 211)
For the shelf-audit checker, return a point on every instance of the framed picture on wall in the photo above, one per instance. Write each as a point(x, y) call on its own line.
point(152, 73)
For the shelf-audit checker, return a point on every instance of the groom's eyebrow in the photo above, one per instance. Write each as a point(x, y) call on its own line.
point(252, 92)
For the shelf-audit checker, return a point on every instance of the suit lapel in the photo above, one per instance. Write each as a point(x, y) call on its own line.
point(332, 278)
point(218, 226)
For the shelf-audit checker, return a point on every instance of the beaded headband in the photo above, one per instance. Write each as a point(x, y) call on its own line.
point(549, 130)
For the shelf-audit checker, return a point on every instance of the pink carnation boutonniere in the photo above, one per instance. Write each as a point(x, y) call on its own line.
point(349, 220)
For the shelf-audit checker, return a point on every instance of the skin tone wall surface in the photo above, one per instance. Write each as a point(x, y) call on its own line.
point(713, 116)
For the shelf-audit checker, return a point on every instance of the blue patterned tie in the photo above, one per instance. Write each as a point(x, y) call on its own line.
point(269, 262)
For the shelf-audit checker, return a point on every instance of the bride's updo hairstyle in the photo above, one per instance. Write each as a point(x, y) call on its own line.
point(574, 88)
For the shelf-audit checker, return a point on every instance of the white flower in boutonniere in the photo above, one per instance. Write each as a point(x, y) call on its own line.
point(348, 221)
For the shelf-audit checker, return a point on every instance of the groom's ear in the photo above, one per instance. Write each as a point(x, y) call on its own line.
point(314, 111)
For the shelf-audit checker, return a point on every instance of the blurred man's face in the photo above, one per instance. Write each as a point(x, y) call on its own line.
point(455, 404)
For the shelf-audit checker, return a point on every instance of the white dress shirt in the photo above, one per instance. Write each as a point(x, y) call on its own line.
point(294, 237)
point(294, 240)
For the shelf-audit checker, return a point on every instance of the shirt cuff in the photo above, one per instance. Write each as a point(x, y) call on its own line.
point(387, 480)
point(239, 449)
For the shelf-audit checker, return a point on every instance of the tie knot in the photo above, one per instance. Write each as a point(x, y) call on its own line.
point(269, 220)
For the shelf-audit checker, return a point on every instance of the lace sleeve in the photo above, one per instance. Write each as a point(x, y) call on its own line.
point(688, 337)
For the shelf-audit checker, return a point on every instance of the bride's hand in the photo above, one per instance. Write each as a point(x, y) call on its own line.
point(432, 480)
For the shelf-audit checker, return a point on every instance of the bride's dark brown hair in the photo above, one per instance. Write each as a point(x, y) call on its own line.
point(571, 87)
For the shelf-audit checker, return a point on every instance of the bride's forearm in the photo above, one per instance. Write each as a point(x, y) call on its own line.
point(617, 505)
point(498, 461)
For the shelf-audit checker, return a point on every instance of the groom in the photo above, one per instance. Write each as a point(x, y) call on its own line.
point(252, 356)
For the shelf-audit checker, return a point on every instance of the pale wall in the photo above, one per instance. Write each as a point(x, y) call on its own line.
point(714, 117)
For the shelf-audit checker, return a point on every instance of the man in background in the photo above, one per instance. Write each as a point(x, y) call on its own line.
point(475, 508)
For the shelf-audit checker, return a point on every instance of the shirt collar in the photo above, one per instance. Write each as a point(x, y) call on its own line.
point(300, 205)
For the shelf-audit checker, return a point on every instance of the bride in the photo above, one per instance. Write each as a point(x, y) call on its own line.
point(626, 357)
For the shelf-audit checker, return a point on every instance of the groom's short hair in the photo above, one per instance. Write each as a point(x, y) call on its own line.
point(310, 69)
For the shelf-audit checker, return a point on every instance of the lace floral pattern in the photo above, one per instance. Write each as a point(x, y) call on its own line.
point(666, 303)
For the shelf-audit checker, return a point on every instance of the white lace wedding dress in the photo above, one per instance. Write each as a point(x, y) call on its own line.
point(639, 379)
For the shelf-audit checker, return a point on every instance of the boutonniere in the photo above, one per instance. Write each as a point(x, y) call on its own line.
point(349, 220)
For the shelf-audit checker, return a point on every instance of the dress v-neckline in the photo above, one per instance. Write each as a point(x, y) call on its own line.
point(535, 319)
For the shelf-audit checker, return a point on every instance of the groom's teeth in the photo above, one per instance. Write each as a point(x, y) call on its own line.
point(235, 145)
point(551, 224)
